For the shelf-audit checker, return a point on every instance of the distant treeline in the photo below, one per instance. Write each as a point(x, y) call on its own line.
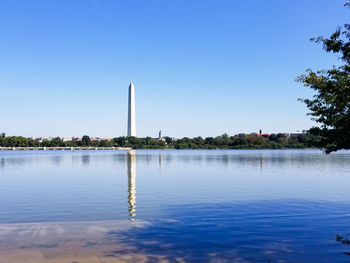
point(251, 141)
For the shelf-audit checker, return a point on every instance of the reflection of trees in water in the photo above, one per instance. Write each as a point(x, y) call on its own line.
point(16, 161)
point(37, 157)
point(118, 158)
point(96, 157)
point(237, 158)
point(85, 159)
point(2, 163)
point(56, 159)
point(345, 240)
point(229, 158)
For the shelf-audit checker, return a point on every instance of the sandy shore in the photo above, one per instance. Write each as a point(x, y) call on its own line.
point(77, 242)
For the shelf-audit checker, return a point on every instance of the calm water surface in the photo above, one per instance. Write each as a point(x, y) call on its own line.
point(175, 206)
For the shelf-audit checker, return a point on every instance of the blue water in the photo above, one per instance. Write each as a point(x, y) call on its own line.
point(201, 205)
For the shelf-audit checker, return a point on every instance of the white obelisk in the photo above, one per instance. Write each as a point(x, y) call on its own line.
point(131, 111)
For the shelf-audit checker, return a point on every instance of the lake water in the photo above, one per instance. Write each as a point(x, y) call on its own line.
point(174, 206)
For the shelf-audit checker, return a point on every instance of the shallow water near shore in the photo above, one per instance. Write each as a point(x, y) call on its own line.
point(175, 206)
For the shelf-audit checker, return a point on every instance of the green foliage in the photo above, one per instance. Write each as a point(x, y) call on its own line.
point(330, 106)
point(168, 140)
point(14, 141)
point(139, 143)
point(85, 141)
point(273, 137)
point(251, 141)
point(279, 141)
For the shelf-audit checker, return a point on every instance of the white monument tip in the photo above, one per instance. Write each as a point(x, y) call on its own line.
point(131, 111)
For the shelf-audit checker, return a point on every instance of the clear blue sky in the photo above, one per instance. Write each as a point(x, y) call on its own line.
point(199, 67)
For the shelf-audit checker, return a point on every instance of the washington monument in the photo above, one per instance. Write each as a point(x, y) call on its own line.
point(131, 111)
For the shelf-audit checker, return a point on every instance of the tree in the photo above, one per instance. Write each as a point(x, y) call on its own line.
point(209, 140)
point(330, 106)
point(273, 137)
point(85, 140)
point(199, 141)
point(120, 141)
point(168, 140)
point(56, 142)
point(104, 143)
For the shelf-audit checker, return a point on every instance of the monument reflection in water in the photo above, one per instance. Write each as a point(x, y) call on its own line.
point(132, 184)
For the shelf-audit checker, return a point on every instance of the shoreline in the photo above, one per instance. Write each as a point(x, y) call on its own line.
point(62, 148)
point(89, 148)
